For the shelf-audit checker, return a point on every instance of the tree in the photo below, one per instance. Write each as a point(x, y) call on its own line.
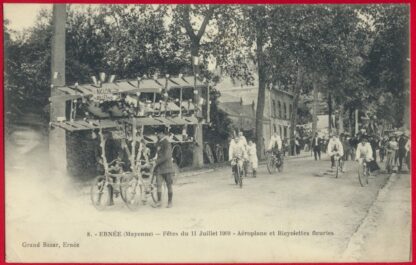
point(387, 64)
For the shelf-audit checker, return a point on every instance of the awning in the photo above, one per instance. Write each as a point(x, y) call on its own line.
point(82, 125)
point(132, 86)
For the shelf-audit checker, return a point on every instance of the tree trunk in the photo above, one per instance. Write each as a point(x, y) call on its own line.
point(262, 82)
point(197, 151)
point(341, 119)
point(356, 121)
point(350, 122)
point(294, 116)
point(315, 104)
point(329, 113)
point(198, 158)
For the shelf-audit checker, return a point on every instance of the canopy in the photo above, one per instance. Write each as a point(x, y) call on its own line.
point(132, 86)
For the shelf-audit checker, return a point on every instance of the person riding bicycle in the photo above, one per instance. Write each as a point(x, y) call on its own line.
point(236, 152)
point(275, 144)
point(364, 152)
point(335, 148)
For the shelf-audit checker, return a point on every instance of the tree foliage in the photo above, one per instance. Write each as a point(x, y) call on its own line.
point(359, 53)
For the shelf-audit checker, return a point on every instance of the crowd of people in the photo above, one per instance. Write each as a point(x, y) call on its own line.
point(244, 153)
point(393, 149)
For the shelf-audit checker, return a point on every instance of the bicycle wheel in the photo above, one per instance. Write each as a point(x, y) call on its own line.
point(337, 169)
point(235, 173)
point(362, 175)
point(280, 168)
point(271, 167)
point(99, 193)
point(164, 190)
point(240, 177)
point(177, 155)
point(131, 191)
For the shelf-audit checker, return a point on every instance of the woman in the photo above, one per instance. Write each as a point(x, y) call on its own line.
point(391, 150)
point(252, 156)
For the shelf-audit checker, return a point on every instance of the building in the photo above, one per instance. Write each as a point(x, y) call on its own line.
point(240, 103)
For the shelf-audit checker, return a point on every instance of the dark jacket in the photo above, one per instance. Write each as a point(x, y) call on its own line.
point(316, 142)
point(402, 146)
point(164, 163)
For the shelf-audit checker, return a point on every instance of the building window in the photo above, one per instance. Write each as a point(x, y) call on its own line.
point(274, 127)
point(290, 111)
point(280, 130)
point(284, 111)
point(285, 131)
point(279, 110)
point(274, 108)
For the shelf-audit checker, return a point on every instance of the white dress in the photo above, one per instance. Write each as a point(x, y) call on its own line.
point(252, 155)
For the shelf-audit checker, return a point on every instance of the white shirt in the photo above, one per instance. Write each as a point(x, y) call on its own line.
point(236, 150)
point(243, 140)
point(407, 146)
point(364, 151)
point(335, 143)
point(252, 151)
point(275, 140)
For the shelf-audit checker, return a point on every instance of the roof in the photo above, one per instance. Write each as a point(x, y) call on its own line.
point(236, 109)
point(133, 86)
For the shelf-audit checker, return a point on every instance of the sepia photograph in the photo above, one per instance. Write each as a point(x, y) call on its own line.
point(190, 133)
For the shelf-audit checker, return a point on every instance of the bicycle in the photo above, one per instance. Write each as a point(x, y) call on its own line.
point(145, 184)
point(339, 164)
point(274, 162)
point(238, 171)
point(363, 173)
point(108, 186)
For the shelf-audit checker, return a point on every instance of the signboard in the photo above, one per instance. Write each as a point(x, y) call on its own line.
point(105, 94)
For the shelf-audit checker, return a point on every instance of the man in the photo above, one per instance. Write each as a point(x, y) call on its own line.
point(382, 147)
point(353, 144)
point(243, 139)
point(407, 146)
point(334, 147)
point(316, 146)
point(365, 152)
point(401, 153)
point(237, 150)
point(164, 166)
point(275, 144)
point(346, 147)
point(374, 144)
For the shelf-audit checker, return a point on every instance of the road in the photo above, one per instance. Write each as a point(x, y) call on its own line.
point(301, 214)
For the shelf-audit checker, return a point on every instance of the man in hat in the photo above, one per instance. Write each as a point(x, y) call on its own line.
point(164, 166)
point(408, 144)
point(401, 153)
point(316, 146)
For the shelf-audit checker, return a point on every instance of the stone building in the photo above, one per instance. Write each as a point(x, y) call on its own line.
point(240, 103)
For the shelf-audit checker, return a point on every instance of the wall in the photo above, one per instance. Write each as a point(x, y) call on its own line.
point(280, 107)
point(80, 153)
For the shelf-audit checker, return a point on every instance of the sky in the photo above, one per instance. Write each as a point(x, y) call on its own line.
point(22, 16)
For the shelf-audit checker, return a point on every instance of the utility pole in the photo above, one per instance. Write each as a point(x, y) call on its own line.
point(57, 136)
point(356, 121)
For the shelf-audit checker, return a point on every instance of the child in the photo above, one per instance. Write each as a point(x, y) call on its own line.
point(252, 156)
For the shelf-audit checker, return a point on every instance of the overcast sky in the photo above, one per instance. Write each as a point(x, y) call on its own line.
point(22, 16)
